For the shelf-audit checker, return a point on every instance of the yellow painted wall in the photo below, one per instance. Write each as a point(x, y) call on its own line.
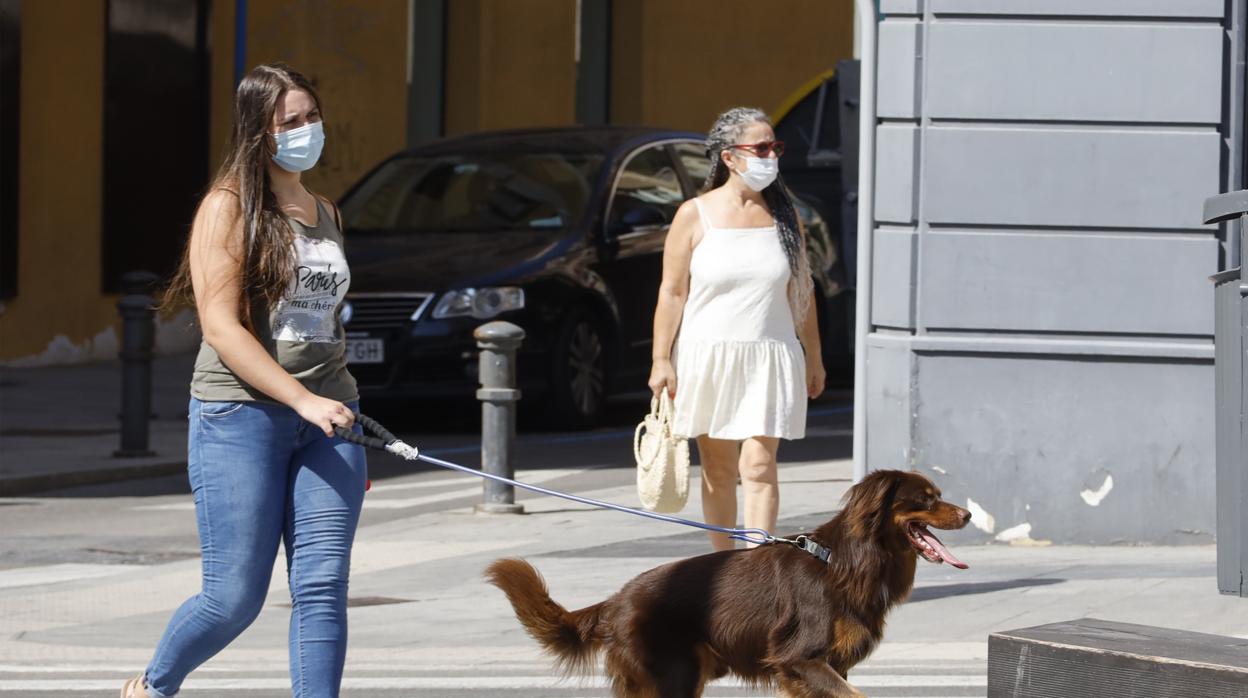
point(679, 64)
point(510, 64)
point(60, 191)
point(356, 55)
point(221, 89)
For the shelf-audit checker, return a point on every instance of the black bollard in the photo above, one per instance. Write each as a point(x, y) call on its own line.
point(138, 337)
point(498, 342)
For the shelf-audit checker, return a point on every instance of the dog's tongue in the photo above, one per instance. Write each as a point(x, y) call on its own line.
point(941, 549)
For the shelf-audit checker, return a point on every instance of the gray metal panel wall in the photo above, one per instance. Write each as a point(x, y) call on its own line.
point(1068, 177)
point(889, 413)
point(1232, 361)
point(1056, 448)
point(892, 285)
point(1070, 281)
point(1040, 285)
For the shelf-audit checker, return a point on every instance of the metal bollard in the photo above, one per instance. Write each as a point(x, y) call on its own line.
point(498, 342)
point(138, 332)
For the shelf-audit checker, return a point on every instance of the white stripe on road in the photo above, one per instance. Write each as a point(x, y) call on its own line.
point(460, 682)
point(54, 574)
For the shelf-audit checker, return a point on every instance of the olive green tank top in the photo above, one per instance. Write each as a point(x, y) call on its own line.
point(302, 332)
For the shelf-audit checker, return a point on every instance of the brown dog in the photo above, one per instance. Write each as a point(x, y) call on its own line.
point(776, 615)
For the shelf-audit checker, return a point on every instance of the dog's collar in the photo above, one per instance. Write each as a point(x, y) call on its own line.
point(808, 544)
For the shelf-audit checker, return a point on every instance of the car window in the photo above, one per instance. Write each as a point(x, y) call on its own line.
point(697, 165)
point(647, 192)
point(474, 192)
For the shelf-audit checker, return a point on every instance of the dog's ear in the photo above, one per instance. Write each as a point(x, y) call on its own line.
point(871, 500)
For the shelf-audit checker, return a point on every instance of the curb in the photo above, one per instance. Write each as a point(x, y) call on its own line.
point(28, 484)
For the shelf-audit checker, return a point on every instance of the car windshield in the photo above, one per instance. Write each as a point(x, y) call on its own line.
point(474, 192)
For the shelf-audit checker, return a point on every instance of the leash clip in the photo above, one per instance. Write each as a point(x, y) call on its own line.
point(403, 450)
point(808, 545)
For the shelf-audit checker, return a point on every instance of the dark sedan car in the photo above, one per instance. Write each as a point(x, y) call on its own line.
point(559, 231)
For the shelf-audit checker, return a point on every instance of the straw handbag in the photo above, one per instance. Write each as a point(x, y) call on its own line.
point(662, 459)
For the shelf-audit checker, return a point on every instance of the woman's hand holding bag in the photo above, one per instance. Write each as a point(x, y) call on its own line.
point(662, 459)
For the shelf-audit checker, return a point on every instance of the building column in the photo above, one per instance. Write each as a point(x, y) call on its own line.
point(426, 70)
point(510, 65)
point(593, 61)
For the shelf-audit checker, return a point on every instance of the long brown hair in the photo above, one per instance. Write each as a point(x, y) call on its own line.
point(268, 258)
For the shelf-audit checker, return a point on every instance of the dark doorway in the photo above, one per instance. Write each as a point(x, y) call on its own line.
point(156, 91)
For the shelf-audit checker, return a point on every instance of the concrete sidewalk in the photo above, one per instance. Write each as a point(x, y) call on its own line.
point(60, 425)
point(424, 622)
point(421, 611)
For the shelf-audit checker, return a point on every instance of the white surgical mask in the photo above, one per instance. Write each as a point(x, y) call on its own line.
point(298, 149)
point(759, 173)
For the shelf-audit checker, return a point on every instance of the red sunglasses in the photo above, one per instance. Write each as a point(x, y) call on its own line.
point(762, 150)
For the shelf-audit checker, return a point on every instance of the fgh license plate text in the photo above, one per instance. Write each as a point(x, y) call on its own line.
point(365, 351)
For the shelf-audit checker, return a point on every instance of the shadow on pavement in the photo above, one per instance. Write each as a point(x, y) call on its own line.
point(944, 591)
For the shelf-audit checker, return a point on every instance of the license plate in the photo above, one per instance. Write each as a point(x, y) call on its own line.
point(366, 351)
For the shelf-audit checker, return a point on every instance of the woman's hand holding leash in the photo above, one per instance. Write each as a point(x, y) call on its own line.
point(662, 375)
point(324, 413)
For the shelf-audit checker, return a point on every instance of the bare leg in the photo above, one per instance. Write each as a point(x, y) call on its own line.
point(760, 481)
point(719, 487)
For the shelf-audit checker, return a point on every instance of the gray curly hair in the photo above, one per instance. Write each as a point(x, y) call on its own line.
point(727, 131)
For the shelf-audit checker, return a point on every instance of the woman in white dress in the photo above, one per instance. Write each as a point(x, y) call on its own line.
point(733, 317)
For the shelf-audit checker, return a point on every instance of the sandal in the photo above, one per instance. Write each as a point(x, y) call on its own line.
point(134, 688)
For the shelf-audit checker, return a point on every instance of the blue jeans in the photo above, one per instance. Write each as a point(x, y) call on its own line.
point(260, 474)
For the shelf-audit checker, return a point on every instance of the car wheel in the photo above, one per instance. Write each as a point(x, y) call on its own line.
point(579, 373)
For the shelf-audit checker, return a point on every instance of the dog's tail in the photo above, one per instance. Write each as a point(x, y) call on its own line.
point(569, 635)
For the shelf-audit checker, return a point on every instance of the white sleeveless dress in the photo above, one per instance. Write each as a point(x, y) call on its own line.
point(740, 370)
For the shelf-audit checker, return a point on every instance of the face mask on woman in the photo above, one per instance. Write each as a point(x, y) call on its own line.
point(759, 173)
point(298, 149)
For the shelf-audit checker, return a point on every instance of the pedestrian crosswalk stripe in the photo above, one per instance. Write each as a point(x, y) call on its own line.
point(55, 574)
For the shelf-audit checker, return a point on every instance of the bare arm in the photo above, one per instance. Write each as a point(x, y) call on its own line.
point(808, 335)
point(216, 256)
point(808, 330)
point(673, 291)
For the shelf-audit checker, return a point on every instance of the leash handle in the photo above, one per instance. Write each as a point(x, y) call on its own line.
point(383, 437)
point(374, 426)
point(359, 439)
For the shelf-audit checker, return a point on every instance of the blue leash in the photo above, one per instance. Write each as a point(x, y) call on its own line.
point(386, 441)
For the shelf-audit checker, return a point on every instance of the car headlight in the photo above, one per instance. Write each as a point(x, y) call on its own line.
point(481, 303)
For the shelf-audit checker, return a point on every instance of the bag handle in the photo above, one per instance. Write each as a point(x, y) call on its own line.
point(661, 409)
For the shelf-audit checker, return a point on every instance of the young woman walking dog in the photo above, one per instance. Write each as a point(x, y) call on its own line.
point(265, 268)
